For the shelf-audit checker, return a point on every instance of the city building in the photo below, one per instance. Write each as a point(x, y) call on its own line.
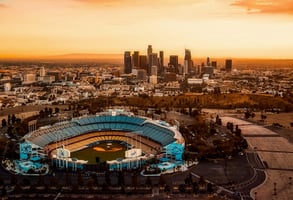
point(42, 71)
point(135, 59)
point(143, 64)
point(149, 52)
point(188, 63)
point(161, 63)
point(127, 62)
point(173, 64)
point(228, 65)
point(29, 78)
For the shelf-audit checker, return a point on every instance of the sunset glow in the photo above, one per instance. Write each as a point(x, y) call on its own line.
point(216, 28)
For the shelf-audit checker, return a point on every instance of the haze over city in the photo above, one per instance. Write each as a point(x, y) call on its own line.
point(226, 28)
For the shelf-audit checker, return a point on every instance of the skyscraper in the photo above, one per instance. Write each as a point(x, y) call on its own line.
point(214, 64)
point(162, 58)
point(135, 59)
point(228, 65)
point(173, 63)
point(127, 62)
point(208, 61)
point(143, 62)
point(154, 59)
point(149, 51)
point(187, 54)
point(149, 59)
point(188, 63)
point(161, 63)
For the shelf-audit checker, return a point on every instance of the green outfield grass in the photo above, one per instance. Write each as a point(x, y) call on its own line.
point(103, 150)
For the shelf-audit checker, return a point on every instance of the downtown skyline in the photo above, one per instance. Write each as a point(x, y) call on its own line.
point(228, 28)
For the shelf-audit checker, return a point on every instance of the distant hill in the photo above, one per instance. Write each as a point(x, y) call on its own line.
point(74, 57)
point(113, 58)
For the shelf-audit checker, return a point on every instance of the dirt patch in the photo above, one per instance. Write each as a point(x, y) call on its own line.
point(107, 150)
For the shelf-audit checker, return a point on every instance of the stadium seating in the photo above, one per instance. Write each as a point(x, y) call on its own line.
point(85, 125)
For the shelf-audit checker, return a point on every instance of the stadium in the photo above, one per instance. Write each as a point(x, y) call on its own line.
point(128, 140)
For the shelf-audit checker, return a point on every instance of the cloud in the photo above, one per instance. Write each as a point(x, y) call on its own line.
point(266, 6)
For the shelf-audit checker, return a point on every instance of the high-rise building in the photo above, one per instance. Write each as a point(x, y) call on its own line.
point(173, 63)
point(149, 51)
point(228, 65)
point(153, 79)
point(135, 59)
point(214, 64)
point(188, 63)
point(187, 54)
point(143, 62)
point(161, 63)
point(154, 70)
point(127, 62)
point(154, 59)
point(208, 61)
point(162, 59)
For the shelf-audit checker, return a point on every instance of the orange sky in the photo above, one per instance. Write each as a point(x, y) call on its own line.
point(215, 28)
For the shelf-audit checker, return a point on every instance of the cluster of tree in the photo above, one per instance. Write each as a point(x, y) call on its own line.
point(249, 114)
point(11, 120)
point(218, 120)
point(48, 112)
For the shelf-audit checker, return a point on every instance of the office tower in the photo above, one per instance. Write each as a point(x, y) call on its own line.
point(161, 58)
point(185, 67)
point(127, 62)
point(228, 65)
point(153, 79)
point(149, 51)
point(135, 59)
point(173, 63)
point(208, 70)
point(141, 74)
point(188, 63)
point(143, 62)
point(153, 61)
point(154, 70)
point(187, 54)
point(214, 64)
point(161, 63)
point(208, 61)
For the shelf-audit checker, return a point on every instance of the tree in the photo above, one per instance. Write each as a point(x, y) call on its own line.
point(57, 110)
point(9, 120)
point(4, 123)
point(13, 119)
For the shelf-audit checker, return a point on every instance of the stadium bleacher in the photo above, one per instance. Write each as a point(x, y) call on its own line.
point(85, 125)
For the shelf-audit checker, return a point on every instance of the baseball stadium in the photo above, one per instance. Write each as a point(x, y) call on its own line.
point(115, 137)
